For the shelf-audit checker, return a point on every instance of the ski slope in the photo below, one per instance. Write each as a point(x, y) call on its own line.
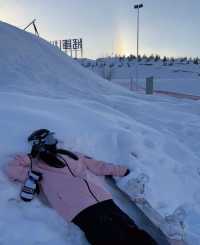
point(157, 137)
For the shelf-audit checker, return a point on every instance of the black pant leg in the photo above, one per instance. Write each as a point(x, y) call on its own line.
point(106, 224)
point(131, 233)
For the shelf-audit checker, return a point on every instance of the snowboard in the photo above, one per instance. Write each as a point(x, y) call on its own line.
point(164, 231)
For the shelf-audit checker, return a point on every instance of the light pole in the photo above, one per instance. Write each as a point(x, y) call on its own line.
point(138, 7)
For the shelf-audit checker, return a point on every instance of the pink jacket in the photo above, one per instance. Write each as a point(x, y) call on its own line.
point(71, 189)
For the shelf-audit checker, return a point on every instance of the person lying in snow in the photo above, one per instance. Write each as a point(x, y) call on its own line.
point(69, 182)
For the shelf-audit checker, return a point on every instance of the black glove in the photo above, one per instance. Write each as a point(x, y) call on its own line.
point(109, 176)
point(127, 172)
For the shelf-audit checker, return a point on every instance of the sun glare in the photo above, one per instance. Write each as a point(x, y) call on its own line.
point(121, 44)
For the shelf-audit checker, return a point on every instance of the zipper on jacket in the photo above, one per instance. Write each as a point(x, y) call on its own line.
point(90, 191)
point(66, 164)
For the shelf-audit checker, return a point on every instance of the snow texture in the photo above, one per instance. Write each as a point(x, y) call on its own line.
point(177, 77)
point(156, 137)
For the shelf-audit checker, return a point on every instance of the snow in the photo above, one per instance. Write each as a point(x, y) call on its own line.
point(179, 77)
point(157, 137)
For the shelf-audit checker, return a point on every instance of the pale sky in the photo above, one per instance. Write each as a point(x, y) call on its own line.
point(168, 27)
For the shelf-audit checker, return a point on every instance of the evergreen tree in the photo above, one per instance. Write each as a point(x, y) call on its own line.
point(164, 60)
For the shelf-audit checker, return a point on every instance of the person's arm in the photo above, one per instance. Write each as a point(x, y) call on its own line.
point(17, 168)
point(101, 168)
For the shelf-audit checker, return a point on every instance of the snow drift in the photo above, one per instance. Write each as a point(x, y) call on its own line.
point(156, 137)
point(32, 65)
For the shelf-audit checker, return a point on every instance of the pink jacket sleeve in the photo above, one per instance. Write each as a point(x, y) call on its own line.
point(101, 168)
point(17, 168)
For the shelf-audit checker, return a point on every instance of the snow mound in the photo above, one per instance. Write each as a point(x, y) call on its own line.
point(32, 65)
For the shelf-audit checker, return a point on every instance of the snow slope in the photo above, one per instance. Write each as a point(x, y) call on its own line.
point(31, 65)
point(156, 137)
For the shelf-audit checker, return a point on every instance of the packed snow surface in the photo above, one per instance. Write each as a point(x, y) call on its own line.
point(156, 137)
point(178, 76)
